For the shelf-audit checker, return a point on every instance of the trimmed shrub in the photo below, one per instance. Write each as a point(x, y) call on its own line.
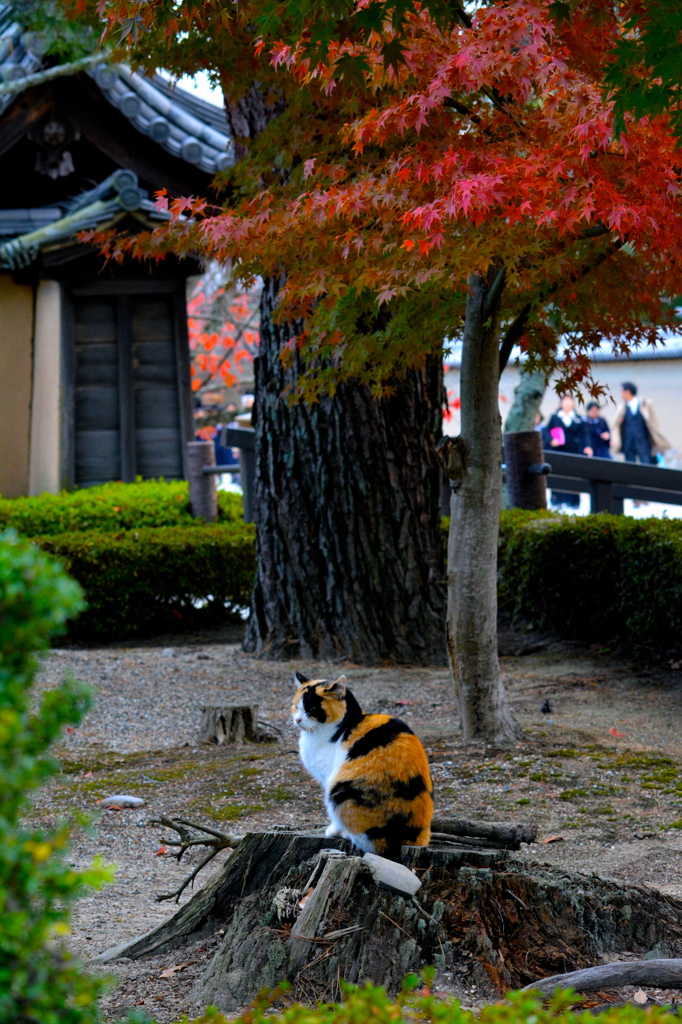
point(142, 581)
point(39, 982)
point(598, 577)
point(115, 507)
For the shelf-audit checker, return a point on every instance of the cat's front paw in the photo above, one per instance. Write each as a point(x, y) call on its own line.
point(332, 830)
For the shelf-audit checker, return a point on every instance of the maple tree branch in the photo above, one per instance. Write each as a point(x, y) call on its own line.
point(475, 118)
point(595, 232)
point(586, 269)
point(513, 335)
point(516, 329)
point(462, 16)
point(494, 292)
point(461, 108)
point(242, 329)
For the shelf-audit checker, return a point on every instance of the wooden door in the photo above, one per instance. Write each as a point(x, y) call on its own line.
point(130, 407)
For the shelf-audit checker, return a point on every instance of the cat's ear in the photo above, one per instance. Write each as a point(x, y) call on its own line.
point(338, 688)
point(300, 679)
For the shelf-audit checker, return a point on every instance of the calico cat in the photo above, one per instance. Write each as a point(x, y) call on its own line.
point(376, 780)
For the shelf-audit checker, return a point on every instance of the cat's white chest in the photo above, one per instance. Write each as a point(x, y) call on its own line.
point(321, 757)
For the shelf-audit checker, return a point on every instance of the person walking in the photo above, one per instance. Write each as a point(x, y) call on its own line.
point(636, 431)
point(598, 432)
point(568, 433)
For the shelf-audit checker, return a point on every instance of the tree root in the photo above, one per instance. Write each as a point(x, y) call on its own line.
point(655, 973)
point(200, 835)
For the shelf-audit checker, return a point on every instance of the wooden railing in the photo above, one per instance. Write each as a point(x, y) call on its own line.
point(609, 482)
point(606, 481)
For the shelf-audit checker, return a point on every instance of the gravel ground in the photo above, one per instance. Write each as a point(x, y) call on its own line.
point(603, 770)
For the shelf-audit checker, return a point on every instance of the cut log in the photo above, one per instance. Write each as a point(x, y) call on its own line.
point(505, 835)
point(654, 973)
point(229, 724)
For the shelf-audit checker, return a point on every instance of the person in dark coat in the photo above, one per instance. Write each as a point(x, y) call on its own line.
point(598, 432)
point(636, 430)
point(568, 433)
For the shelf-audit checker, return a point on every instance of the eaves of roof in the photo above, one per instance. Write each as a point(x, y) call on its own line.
point(189, 128)
point(101, 207)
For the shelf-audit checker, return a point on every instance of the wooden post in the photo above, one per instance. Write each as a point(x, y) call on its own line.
point(526, 469)
point(203, 495)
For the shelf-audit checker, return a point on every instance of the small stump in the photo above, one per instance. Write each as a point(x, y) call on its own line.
point(229, 724)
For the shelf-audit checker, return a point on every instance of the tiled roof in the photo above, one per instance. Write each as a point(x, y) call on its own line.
point(104, 205)
point(180, 123)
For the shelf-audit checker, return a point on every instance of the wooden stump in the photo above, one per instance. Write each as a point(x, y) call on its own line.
point(293, 906)
point(229, 724)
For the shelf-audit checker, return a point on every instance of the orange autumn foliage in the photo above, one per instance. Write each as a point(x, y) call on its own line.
point(488, 143)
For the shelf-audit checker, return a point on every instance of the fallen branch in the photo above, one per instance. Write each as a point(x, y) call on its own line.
point(504, 835)
point(655, 973)
point(200, 835)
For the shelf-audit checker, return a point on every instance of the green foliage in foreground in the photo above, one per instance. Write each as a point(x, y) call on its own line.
point(371, 1003)
point(595, 578)
point(39, 982)
point(111, 507)
point(138, 582)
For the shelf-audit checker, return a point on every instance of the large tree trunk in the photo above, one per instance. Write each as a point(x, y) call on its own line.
point(474, 526)
point(346, 512)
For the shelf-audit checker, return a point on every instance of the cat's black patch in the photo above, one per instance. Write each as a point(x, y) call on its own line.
point(312, 705)
point(395, 833)
point(410, 789)
point(352, 717)
point(379, 737)
point(343, 791)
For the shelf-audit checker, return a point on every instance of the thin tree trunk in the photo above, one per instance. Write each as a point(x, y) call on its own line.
point(474, 526)
point(528, 395)
point(346, 512)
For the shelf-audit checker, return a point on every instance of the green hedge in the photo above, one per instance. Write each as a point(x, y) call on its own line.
point(114, 506)
point(595, 578)
point(139, 582)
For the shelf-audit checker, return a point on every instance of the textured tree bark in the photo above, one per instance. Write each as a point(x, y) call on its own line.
point(346, 513)
point(474, 527)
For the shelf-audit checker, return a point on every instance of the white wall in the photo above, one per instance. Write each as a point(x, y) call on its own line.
point(45, 457)
point(16, 337)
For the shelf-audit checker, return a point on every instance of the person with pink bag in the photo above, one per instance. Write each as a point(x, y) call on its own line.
point(568, 432)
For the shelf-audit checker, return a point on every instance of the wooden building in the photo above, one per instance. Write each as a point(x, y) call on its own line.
point(94, 361)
